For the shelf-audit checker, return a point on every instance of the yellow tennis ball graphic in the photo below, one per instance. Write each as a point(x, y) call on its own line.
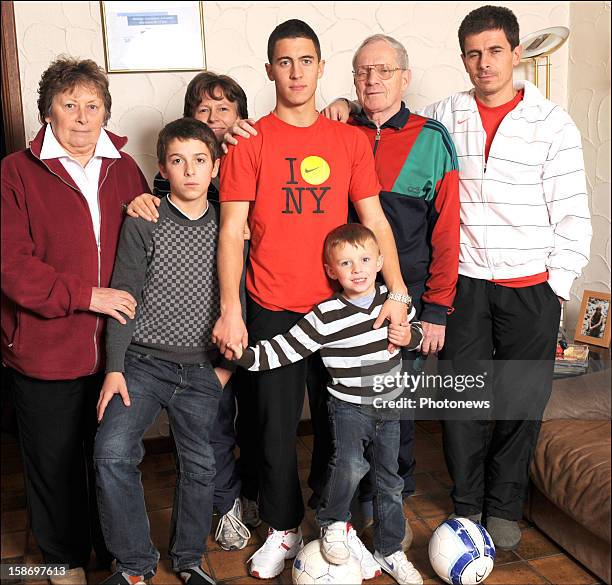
point(315, 170)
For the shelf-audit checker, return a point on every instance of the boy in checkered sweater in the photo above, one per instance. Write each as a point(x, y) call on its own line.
point(162, 359)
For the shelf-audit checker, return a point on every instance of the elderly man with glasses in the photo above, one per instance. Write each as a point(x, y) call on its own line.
point(417, 168)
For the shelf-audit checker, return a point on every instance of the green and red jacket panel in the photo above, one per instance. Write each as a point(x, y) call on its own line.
point(417, 167)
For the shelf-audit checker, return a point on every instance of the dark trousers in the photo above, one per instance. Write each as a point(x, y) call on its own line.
point(489, 460)
point(57, 425)
point(235, 424)
point(280, 399)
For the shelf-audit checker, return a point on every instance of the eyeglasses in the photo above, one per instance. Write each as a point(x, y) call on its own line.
point(381, 70)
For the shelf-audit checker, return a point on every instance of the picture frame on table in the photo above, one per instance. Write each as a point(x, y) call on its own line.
point(593, 325)
point(148, 37)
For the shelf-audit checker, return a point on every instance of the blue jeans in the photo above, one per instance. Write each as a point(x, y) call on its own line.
point(190, 393)
point(223, 442)
point(364, 440)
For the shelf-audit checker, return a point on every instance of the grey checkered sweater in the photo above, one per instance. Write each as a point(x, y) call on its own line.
point(354, 353)
point(170, 267)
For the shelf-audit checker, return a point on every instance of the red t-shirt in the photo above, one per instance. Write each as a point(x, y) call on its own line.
point(492, 117)
point(299, 181)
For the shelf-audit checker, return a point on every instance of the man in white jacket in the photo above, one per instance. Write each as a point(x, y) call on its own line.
point(525, 237)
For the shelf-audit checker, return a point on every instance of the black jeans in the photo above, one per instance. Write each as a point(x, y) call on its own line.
point(280, 399)
point(489, 460)
point(57, 425)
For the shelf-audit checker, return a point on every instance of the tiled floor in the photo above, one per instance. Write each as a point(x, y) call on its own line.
point(537, 560)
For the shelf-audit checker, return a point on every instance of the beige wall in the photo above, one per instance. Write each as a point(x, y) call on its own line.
point(236, 36)
point(589, 106)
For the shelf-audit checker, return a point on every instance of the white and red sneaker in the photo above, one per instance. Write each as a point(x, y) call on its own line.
point(369, 567)
point(280, 545)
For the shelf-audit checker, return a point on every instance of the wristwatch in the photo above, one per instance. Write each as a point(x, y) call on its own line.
point(402, 298)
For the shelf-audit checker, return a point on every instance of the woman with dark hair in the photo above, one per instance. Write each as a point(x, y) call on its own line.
point(62, 208)
point(218, 101)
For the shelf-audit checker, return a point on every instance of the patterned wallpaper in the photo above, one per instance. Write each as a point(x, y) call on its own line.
point(589, 106)
point(236, 37)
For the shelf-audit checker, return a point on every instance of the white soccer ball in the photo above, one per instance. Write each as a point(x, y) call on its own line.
point(310, 568)
point(461, 552)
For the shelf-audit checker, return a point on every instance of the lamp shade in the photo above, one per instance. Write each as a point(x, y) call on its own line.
point(543, 42)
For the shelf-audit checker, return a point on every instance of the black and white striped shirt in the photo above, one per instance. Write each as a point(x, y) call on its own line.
point(353, 352)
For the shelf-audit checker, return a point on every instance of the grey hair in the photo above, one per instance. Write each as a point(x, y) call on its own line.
point(400, 51)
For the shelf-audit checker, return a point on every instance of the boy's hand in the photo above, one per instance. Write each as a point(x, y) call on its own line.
point(237, 350)
point(229, 328)
point(394, 312)
point(242, 128)
point(114, 383)
point(144, 206)
point(400, 335)
point(223, 375)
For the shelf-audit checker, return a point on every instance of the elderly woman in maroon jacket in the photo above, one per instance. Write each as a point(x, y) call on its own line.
point(62, 208)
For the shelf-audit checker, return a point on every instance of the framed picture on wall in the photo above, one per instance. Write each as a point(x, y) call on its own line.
point(593, 324)
point(153, 36)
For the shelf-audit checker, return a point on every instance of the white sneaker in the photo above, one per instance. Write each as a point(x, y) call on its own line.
point(231, 533)
point(400, 568)
point(334, 543)
point(250, 512)
point(369, 567)
point(269, 560)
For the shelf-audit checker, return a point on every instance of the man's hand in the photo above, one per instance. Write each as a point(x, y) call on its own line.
point(242, 128)
point(339, 110)
point(109, 301)
point(230, 331)
point(223, 375)
point(433, 337)
point(396, 313)
point(144, 206)
point(114, 383)
point(400, 335)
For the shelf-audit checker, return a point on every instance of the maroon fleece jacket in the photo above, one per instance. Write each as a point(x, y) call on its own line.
point(50, 260)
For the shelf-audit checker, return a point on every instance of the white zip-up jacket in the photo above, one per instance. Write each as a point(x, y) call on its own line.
point(524, 211)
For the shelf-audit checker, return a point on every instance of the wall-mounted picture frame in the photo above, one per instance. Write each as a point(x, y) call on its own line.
point(593, 325)
point(146, 37)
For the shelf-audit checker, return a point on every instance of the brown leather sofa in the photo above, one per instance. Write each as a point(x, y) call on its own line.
point(570, 488)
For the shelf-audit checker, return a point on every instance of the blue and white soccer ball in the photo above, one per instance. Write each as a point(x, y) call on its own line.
point(310, 568)
point(461, 552)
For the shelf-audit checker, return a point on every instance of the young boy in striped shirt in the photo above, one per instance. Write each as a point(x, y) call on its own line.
point(355, 355)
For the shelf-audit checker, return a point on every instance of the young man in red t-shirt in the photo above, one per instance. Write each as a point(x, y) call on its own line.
point(293, 182)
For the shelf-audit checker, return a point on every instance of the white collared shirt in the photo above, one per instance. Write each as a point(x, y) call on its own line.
point(183, 213)
point(86, 178)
